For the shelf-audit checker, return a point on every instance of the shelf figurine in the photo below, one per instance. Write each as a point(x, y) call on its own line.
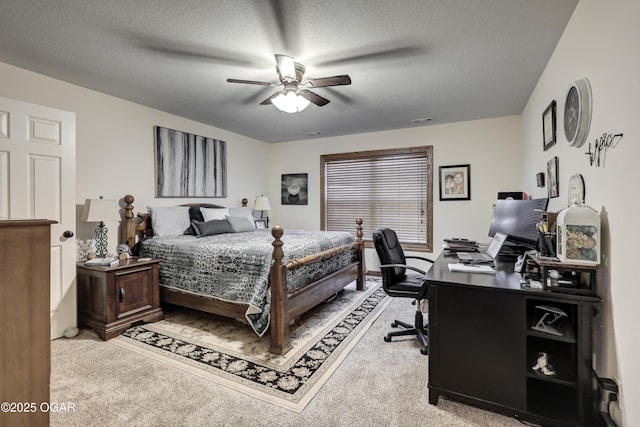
point(543, 366)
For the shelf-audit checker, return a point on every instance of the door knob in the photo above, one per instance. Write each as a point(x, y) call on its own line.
point(68, 234)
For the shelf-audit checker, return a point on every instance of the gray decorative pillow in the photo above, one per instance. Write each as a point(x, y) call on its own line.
point(241, 224)
point(244, 211)
point(209, 228)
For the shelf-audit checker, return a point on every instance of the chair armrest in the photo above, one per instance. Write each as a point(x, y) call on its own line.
point(418, 257)
point(404, 266)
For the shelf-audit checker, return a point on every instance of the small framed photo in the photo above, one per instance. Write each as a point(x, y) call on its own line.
point(294, 189)
point(455, 182)
point(261, 223)
point(552, 177)
point(549, 126)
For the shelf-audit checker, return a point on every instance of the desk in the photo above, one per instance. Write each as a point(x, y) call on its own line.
point(483, 346)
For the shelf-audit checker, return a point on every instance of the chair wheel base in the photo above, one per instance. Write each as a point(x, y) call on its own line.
point(394, 324)
point(387, 338)
point(424, 350)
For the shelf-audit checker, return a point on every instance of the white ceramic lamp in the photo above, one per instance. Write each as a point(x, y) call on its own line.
point(262, 204)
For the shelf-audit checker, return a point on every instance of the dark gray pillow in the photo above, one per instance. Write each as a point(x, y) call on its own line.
point(209, 228)
point(241, 224)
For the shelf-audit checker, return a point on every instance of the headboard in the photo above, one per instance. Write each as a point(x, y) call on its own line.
point(139, 228)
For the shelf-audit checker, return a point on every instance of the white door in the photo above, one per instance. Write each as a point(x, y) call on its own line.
point(37, 180)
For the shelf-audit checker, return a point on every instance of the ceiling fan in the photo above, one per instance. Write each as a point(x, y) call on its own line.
point(295, 95)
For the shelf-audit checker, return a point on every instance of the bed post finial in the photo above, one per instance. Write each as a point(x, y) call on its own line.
point(128, 207)
point(280, 331)
point(277, 232)
point(129, 226)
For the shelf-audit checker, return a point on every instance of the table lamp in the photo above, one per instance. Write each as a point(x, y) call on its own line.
point(262, 204)
point(100, 210)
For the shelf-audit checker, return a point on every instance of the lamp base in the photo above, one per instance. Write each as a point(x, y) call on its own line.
point(101, 240)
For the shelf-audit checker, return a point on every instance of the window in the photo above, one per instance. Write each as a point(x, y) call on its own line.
point(386, 188)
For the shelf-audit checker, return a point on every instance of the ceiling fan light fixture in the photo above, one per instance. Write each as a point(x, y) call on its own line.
point(289, 101)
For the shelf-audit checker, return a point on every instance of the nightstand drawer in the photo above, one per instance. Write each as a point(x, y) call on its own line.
point(133, 291)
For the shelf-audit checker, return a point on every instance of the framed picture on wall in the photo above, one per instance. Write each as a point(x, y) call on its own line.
point(552, 177)
point(455, 182)
point(295, 189)
point(549, 126)
point(189, 165)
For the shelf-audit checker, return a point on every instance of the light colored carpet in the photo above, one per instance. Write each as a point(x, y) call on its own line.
point(230, 353)
point(378, 384)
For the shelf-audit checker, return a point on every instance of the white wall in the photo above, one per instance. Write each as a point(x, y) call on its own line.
point(115, 154)
point(600, 43)
point(492, 148)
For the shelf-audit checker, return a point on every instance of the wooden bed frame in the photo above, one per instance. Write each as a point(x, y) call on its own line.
point(286, 306)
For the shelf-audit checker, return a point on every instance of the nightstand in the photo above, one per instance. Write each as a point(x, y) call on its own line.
point(111, 299)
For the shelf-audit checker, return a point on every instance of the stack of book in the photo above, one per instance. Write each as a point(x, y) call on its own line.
point(102, 262)
point(460, 245)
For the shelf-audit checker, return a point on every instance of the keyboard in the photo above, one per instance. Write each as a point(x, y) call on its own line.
point(474, 257)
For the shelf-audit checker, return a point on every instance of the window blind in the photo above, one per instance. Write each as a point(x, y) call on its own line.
point(387, 188)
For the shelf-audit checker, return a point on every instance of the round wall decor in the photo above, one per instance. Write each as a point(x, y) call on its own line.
point(577, 112)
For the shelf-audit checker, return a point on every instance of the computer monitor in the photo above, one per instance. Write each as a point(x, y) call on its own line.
point(518, 219)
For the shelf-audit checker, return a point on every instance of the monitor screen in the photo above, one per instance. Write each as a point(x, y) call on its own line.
point(517, 219)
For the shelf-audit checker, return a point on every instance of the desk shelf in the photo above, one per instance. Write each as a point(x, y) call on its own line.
point(574, 279)
point(553, 401)
point(561, 356)
point(567, 352)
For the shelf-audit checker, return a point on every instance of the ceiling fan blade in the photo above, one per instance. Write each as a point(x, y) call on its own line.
point(286, 67)
point(328, 81)
point(250, 82)
point(268, 100)
point(313, 97)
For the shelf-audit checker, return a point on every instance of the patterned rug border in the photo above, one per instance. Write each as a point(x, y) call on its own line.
point(292, 388)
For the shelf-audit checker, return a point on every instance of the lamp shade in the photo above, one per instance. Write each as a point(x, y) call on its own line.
point(289, 101)
point(262, 204)
point(96, 210)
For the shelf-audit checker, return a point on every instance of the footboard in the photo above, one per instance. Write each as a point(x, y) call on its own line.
point(287, 305)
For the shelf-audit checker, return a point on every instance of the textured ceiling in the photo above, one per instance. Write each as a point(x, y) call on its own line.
point(452, 60)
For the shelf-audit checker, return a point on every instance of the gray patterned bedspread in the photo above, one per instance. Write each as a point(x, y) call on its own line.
point(235, 267)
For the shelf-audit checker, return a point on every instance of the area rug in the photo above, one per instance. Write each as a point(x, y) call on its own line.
point(230, 353)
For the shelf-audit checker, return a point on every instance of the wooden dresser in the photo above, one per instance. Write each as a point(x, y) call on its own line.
point(25, 332)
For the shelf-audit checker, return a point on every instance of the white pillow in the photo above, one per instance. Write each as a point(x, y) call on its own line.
point(169, 221)
point(243, 211)
point(214, 213)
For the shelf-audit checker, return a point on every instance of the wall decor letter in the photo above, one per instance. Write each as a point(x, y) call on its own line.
point(603, 143)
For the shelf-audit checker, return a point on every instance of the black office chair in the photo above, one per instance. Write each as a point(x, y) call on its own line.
point(397, 283)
